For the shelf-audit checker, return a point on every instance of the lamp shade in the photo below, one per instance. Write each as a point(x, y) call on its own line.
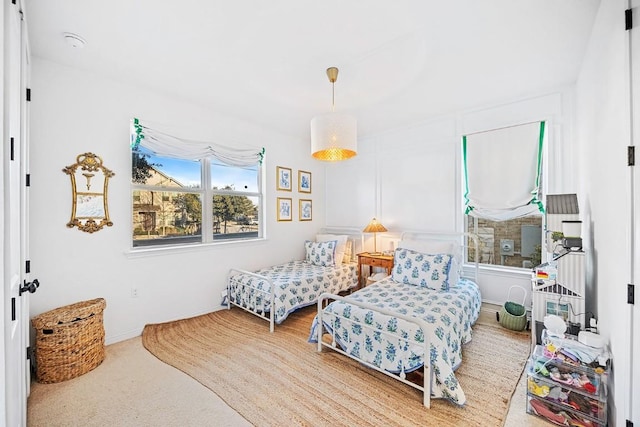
point(374, 227)
point(333, 137)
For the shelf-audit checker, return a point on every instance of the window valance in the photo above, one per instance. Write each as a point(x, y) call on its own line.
point(502, 172)
point(165, 145)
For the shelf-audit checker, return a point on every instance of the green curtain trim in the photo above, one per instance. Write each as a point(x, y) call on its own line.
point(261, 155)
point(466, 178)
point(138, 132)
point(535, 199)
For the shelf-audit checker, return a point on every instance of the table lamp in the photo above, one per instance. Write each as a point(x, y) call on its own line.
point(374, 227)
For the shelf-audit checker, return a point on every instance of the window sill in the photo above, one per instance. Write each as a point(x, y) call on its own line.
point(496, 270)
point(144, 252)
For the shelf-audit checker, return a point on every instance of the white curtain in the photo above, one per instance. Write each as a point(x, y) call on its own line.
point(502, 172)
point(165, 145)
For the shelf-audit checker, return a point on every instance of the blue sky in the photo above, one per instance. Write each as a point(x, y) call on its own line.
point(187, 172)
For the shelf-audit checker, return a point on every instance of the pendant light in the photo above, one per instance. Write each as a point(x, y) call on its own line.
point(333, 135)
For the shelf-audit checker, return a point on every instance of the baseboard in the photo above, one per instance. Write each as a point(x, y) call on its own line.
point(112, 339)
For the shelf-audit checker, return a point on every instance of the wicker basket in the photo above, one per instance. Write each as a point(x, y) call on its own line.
point(69, 340)
point(513, 315)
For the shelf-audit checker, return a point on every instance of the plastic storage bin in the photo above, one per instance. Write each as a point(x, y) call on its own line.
point(566, 392)
point(563, 397)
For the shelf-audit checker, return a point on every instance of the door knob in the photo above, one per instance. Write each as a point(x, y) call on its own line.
point(30, 287)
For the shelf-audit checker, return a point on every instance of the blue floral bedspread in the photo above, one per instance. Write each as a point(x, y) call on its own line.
point(451, 314)
point(297, 284)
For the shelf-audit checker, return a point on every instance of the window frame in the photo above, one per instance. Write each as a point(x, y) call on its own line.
point(206, 193)
point(544, 180)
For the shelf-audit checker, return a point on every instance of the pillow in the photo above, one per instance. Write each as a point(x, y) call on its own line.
point(455, 272)
point(321, 253)
point(434, 247)
point(340, 249)
point(348, 252)
point(420, 269)
point(431, 246)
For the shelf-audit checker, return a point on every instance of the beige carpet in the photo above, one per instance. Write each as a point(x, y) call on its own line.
point(280, 379)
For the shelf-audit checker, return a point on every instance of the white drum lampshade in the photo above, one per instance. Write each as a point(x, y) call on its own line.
point(333, 137)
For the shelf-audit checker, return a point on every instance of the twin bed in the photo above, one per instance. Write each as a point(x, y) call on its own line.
point(272, 293)
point(427, 306)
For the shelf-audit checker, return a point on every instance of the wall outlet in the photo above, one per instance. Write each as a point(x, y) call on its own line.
point(134, 292)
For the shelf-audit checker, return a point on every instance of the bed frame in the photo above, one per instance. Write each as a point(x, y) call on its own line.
point(463, 239)
point(354, 234)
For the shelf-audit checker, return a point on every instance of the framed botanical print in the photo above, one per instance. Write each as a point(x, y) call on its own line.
point(284, 209)
point(305, 210)
point(304, 182)
point(283, 177)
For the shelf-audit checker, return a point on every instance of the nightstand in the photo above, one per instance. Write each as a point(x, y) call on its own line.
point(371, 260)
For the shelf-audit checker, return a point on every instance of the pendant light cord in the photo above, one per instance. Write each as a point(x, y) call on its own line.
point(333, 97)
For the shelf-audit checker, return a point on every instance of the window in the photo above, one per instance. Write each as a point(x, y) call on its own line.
point(178, 200)
point(502, 192)
point(509, 243)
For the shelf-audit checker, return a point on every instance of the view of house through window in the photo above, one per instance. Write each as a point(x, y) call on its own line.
point(510, 243)
point(179, 201)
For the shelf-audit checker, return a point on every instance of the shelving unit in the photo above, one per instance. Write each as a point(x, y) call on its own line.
point(561, 293)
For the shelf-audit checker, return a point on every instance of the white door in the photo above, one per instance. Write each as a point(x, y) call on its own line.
point(16, 327)
point(634, 331)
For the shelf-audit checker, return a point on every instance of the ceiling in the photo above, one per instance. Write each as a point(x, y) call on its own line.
point(400, 62)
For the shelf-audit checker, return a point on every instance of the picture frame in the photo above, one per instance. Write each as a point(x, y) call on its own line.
point(305, 209)
point(285, 207)
point(283, 178)
point(304, 181)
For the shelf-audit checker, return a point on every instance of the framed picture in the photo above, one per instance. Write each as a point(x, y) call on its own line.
point(304, 182)
point(306, 210)
point(283, 177)
point(284, 209)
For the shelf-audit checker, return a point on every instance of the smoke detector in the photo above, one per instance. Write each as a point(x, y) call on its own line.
point(74, 40)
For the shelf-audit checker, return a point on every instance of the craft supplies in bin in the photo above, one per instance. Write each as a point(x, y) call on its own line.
point(69, 340)
point(513, 315)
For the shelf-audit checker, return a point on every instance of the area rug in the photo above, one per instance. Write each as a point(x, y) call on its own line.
point(280, 379)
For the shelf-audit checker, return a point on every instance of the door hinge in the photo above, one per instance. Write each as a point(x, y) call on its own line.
point(13, 1)
point(27, 266)
point(28, 94)
point(13, 309)
point(628, 19)
point(12, 148)
point(631, 155)
point(631, 299)
point(29, 352)
point(629, 423)
point(27, 180)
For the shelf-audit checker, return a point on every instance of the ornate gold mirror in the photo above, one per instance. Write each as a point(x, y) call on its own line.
point(89, 182)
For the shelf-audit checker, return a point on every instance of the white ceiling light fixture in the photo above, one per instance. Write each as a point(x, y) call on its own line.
point(333, 136)
point(74, 40)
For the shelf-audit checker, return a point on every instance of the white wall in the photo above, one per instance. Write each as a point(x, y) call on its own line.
point(73, 112)
point(410, 178)
point(602, 111)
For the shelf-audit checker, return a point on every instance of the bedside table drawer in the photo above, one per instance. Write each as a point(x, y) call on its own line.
point(371, 261)
point(375, 262)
